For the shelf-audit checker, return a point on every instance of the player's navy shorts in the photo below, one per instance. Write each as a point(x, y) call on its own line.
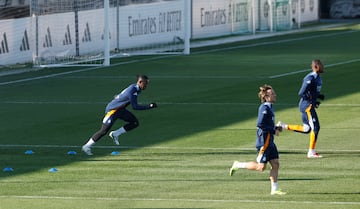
point(111, 116)
point(270, 153)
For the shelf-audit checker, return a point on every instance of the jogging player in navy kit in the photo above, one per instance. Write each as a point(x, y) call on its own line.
point(309, 94)
point(266, 148)
point(116, 109)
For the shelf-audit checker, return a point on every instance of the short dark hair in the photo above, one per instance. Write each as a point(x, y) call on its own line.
point(142, 77)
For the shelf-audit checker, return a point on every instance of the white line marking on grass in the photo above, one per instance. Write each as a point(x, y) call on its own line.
point(249, 104)
point(305, 70)
point(181, 77)
point(47, 76)
point(161, 103)
point(85, 70)
point(156, 147)
point(81, 70)
point(177, 200)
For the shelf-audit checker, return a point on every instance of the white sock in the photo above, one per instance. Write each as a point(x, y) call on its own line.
point(274, 186)
point(90, 143)
point(240, 165)
point(311, 151)
point(119, 131)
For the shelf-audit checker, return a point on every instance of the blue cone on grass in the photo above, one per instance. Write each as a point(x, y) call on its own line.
point(53, 170)
point(8, 169)
point(29, 152)
point(71, 153)
point(115, 153)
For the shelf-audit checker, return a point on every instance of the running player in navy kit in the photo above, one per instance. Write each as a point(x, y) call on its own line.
point(266, 148)
point(116, 109)
point(309, 94)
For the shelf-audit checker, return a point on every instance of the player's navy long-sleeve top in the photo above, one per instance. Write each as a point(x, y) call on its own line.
point(126, 97)
point(265, 122)
point(309, 91)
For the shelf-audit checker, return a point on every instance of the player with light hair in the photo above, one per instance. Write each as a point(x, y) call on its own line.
point(266, 148)
point(309, 94)
point(116, 109)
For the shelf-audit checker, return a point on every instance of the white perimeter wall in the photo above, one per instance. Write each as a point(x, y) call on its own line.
point(161, 22)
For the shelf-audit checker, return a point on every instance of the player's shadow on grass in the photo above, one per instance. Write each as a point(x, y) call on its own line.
point(301, 179)
point(333, 193)
point(282, 179)
point(292, 152)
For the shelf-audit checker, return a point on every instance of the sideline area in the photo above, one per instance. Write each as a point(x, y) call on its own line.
point(323, 24)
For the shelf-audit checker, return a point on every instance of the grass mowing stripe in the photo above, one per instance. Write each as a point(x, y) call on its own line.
point(274, 42)
point(181, 200)
point(179, 77)
point(155, 147)
point(164, 103)
point(220, 77)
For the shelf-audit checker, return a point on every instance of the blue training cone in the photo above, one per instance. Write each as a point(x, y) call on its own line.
point(8, 169)
point(115, 153)
point(29, 152)
point(53, 170)
point(71, 153)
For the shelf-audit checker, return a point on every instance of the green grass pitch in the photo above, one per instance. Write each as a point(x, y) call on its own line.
point(180, 154)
